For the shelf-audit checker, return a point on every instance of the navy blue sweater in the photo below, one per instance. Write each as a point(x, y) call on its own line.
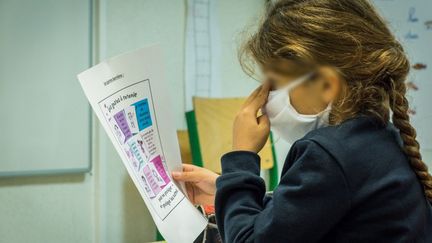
point(346, 183)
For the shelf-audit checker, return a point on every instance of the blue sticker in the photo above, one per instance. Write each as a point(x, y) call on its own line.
point(143, 114)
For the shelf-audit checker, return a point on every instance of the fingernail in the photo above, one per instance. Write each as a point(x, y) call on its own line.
point(176, 174)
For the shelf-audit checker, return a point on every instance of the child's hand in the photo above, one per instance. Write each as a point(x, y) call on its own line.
point(200, 183)
point(249, 132)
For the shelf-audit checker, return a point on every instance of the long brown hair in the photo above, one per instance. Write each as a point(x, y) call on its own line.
point(353, 38)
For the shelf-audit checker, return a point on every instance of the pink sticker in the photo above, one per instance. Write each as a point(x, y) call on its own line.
point(157, 162)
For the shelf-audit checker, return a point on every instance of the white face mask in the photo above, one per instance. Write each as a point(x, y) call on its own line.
point(285, 120)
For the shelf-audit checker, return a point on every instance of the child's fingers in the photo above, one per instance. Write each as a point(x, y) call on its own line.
point(186, 176)
point(252, 96)
point(264, 122)
point(190, 192)
point(259, 99)
point(189, 167)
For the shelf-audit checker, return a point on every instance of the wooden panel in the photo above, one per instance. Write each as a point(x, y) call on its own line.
point(186, 154)
point(214, 118)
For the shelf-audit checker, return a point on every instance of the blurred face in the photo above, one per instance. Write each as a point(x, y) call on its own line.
point(313, 95)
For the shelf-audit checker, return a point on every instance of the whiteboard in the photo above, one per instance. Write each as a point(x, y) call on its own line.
point(46, 120)
point(412, 23)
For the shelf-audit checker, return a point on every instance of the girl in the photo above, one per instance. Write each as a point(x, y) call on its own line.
point(351, 175)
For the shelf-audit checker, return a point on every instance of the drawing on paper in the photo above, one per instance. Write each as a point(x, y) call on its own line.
point(132, 121)
point(133, 128)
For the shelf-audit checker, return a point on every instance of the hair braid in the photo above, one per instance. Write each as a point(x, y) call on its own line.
point(353, 38)
point(399, 105)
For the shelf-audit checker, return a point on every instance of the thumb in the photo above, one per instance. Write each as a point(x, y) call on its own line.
point(186, 176)
point(263, 121)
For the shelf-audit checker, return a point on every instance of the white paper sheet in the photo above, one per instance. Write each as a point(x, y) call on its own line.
point(129, 96)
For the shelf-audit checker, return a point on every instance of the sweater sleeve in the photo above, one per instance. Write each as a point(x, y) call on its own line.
point(312, 196)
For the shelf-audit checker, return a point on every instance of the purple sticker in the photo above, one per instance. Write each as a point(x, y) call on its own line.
point(123, 124)
point(157, 161)
point(151, 180)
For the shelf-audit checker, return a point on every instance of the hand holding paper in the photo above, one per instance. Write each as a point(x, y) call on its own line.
point(200, 183)
point(127, 95)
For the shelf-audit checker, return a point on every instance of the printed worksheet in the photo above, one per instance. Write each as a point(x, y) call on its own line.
point(127, 93)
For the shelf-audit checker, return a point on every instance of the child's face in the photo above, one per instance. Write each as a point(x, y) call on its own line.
point(314, 95)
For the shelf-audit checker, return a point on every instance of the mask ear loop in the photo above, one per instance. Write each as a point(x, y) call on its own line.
point(301, 80)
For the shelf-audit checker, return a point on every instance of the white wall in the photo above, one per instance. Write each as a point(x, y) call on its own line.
point(43, 208)
point(47, 209)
